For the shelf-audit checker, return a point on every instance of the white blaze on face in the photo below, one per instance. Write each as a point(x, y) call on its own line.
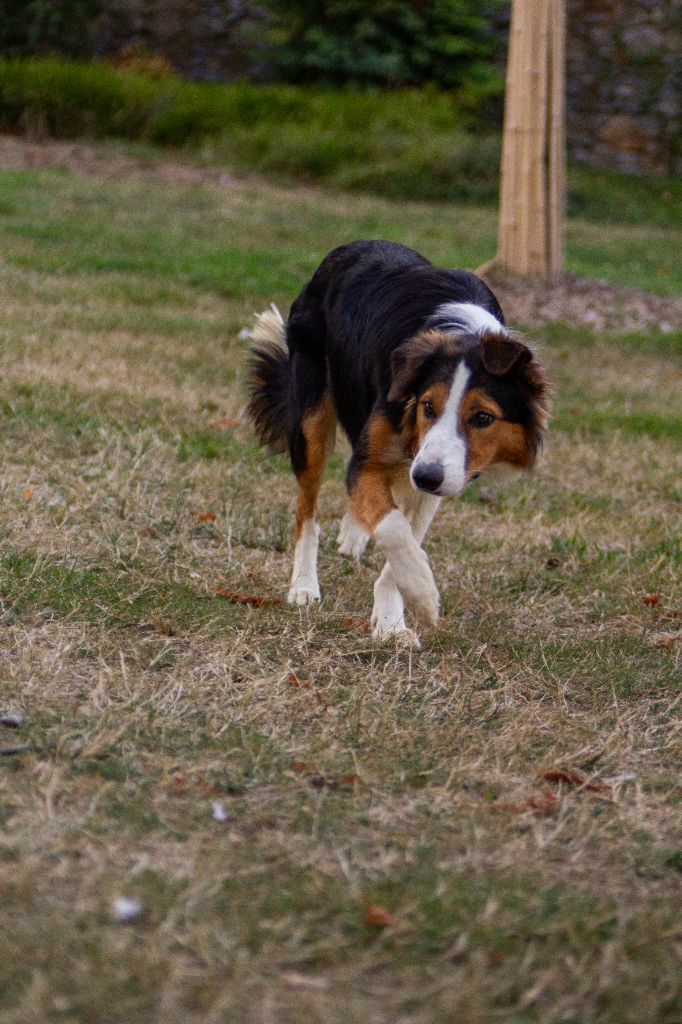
point(443, 445)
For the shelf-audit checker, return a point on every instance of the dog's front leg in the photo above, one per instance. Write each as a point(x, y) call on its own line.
point(410, 569)
point(388, 612)
point(374, 510)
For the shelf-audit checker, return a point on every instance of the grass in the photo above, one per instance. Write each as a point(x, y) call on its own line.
point(403, 144)
point(353, 775)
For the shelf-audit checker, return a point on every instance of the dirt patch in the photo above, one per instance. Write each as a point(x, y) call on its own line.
point(586, 302)
point(17, 154)
point(583, 301)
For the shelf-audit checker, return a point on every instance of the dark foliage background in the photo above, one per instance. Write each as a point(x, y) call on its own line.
point(448, 43)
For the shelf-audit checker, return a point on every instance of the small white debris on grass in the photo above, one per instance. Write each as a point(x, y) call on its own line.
point(218, 812)
point(619, 780)
point(12, 719)
point(244, 334)
point(126, 909)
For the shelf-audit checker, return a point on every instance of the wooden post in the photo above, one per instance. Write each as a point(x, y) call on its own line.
point(532, 185)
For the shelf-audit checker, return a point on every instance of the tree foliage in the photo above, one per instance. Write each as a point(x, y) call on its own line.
point(386, 42)
point(35, 27)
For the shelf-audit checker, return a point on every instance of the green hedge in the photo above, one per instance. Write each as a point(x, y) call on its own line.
point(416, 143)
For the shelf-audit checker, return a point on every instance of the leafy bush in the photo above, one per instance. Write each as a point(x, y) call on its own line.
point(391, 42)
point(46, 26)
point(399, 143)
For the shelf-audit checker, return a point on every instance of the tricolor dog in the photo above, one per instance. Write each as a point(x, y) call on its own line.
point(431, 389)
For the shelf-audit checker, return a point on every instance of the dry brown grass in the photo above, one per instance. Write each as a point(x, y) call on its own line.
point(353, 774)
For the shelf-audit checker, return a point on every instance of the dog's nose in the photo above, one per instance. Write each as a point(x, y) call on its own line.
point(428, 477)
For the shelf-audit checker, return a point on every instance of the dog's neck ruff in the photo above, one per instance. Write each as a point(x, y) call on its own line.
point(466, 317)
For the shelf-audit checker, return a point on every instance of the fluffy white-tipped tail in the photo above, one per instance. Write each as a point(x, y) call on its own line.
point(269, 328)
point(268, 379)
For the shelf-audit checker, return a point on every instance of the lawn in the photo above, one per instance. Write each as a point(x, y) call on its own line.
point(315, 827)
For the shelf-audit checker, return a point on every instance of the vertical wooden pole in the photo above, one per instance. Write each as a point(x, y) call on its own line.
point(557, 139)
point(532, 186)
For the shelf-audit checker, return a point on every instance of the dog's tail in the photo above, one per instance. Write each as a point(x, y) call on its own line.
point(268, 380)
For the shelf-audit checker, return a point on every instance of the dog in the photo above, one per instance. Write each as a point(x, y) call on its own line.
point(416, 365)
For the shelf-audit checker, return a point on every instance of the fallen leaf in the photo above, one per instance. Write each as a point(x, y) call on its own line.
point(226, 423)
point(205, 517)
point(359, 624)
point(149, 531)
point(28, 493)
point(293, 680)
point(653, 600)
point(251, 599)
point(572, 778)
point(664, 641)
point(300, 766)
point(378, 917)
point(544, 803)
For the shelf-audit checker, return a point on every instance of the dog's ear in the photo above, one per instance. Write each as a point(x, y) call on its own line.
point(407, 361)
point(502, 353)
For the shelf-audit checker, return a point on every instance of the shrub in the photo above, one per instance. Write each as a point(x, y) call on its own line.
point(412, 143)
point(390, 43)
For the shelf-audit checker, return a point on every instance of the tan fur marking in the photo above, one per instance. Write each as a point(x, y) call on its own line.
point(318, 429)
point(384, 445)
point(371, 497)
point(437, 395)
point(476, 400)
point(502, 441)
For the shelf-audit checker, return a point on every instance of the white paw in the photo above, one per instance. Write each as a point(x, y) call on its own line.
point(409, 566)
point(400, 632)
point(388, 621)
point(419, 591)
point(304, 591)
point(352, 539)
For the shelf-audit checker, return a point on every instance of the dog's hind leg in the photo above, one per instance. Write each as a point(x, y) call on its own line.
point(313, 444)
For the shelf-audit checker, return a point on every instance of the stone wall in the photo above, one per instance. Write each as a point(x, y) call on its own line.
point(624, 84)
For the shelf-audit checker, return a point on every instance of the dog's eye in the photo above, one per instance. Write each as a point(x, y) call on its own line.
point(481, 419)
point(429, 411)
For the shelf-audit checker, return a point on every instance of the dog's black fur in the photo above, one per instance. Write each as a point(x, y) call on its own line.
point(363, 342)
point(364, 300)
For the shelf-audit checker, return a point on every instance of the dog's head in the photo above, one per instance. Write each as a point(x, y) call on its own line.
point(471, 402)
